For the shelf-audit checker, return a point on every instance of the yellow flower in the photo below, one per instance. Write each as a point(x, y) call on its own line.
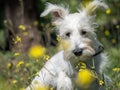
point(113, 41)
point(37, 73)
point(58, 38)
point(41, 88)
point(36, 51)
point(46, 57)
point(16, 54)
point(116, 69)
point(27, 64)
point(22, 27)
point(14, 81)
point(35, 23)
point(84, 78)
point(20, 63)
point(37, 87)
point(17, 39)
point(51, 88)
point(107, 33)
point(81, 65)
point(9, 65)
point(101, 82)
point(108, 11)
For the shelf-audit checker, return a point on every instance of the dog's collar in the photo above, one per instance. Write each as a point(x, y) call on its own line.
point(101, 48)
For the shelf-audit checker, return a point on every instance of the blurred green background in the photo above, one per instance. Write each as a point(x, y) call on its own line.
point(21, 27)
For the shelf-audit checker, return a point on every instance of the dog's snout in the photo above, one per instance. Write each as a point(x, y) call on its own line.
point(78, 52)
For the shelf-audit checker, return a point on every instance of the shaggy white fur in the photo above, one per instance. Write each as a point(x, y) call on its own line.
point(77, 29)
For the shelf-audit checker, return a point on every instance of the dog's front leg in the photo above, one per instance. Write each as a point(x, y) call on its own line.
point(64, 82)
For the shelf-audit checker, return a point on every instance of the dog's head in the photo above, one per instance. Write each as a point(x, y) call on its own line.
point(77, 29)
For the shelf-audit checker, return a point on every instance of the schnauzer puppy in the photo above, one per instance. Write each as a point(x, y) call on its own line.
point(79, 44)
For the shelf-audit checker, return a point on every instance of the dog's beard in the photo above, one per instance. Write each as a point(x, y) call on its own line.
point(88, 52)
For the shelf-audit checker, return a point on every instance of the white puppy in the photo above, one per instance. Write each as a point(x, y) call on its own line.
point(79, 43)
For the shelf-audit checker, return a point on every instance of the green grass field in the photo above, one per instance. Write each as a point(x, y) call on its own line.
point(17, 71)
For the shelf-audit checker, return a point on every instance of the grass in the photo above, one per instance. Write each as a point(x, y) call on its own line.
point(13, 77)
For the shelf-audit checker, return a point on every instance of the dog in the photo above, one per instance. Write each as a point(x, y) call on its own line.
point(79, 44)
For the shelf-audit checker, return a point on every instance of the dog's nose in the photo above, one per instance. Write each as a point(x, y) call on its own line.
point(78, 52)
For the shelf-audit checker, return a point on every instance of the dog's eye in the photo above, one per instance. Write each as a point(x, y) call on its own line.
point(68, 34)
point(83, 32)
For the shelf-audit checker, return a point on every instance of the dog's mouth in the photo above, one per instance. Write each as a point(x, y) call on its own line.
point(87, 52)
point(83, 53)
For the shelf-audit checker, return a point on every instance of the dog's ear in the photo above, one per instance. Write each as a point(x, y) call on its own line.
point(92, 6)
point(57, 12)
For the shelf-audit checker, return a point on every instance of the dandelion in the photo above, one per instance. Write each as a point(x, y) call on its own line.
point(46, 57)
point(37, 87)
point(14, 81)
point(84, 78)
point(20, 63)
point(22, 27)
point(36, 74)
point(17, 39)
point(107, 33)
point(81, 65)
point(9, 65)
point(35, 23)
point(116, 69)
point(41, 88)
point(108, 11)
point(58, 38)
point(51, 88)
point(27, 64)
point(16, 54)
point(36, 51)
point(101, 82)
